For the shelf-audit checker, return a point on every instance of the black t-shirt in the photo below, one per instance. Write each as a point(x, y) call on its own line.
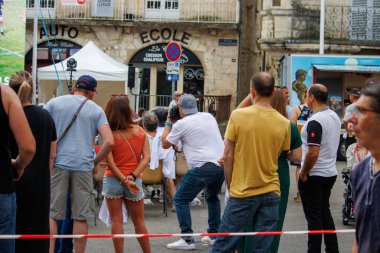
point(36, 177)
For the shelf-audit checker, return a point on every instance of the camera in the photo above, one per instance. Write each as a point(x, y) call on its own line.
point(174, 113)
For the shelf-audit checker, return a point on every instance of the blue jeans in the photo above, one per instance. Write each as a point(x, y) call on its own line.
point(209, 177)
point(7, 221)
point(261, 209)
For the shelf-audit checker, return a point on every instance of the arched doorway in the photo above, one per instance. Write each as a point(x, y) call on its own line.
point(60, 50)
point(152, 62)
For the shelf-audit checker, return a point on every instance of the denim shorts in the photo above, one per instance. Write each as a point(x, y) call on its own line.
point(113, 189)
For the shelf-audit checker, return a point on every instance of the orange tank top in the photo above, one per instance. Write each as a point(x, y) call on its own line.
point(122, 154)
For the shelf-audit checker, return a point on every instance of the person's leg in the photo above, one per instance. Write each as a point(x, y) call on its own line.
point(236, 215)
point(2, 26)
point(188, 189)
point(58, 201)
point(82, 205)
point(265, 219)
point(116, 216)
point(65, 227)
point(214, 177)
point(136, 211)
point(169, 183)
point(297, 195)
point(311, 197)
point(283, 174)
point(7, 221)
point(331, 240)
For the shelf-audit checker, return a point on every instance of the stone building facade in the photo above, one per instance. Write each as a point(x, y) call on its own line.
point(209, 39)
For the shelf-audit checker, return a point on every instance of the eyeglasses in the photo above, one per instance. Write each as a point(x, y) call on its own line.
point(359, 111)
point(121, 95)
point(177, 95)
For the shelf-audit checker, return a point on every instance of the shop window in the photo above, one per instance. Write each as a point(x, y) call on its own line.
point(193, 80)
point(276, 3)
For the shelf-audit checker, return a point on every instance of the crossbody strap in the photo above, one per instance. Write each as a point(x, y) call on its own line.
point(133, 152)
point(72, 120)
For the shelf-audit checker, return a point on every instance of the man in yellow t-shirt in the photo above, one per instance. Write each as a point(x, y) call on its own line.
point(254, 138)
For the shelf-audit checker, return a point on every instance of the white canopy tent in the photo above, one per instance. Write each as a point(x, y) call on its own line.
point(111, 75)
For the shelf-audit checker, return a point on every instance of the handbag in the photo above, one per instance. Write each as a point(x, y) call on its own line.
point(72, 121)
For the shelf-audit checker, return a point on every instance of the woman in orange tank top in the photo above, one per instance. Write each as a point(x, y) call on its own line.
point(122, 181)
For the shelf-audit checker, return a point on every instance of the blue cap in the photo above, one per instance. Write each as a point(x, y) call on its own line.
point(188, 103)
point(86, 82)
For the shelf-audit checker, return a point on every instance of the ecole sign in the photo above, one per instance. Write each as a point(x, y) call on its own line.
point(165, 34)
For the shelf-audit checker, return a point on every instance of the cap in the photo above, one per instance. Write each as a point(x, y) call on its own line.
point(355, 92)
point(86, 82)
point(188, 103)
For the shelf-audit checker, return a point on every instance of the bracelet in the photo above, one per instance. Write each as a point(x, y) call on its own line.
point(133, 175)
point(168, 124)
point(122, 181)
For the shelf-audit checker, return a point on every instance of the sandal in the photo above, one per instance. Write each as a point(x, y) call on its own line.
point(297, 197)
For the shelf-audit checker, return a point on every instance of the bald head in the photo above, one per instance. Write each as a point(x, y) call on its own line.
point(263, 83)
point(320, 92)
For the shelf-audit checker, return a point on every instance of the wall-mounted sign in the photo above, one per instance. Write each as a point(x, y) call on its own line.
point(59, 30)
point(71, 2)
point(172, 67)
point(228, 42)
point(156, 54)
point(165, 34)
point(102, 8)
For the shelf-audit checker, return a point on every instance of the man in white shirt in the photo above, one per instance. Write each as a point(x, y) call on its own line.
point(203, 146)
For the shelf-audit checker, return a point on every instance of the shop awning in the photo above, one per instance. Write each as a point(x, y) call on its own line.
point(349, 68)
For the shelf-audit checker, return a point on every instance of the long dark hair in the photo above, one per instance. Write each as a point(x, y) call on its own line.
point(278, 103)
point(119, 113)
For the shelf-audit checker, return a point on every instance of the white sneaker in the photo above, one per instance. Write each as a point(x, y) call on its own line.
point(208, 240)
point(181, 244)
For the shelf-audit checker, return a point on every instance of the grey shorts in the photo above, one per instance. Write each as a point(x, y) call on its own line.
point(81, 190)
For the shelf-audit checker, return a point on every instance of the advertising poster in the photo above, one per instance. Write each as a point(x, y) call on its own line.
point(102, 8)
point(12, 38)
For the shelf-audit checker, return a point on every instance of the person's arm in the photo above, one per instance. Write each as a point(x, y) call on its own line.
point(145, 158)
point(228, 158)
point(246, 102)
point(168, 127)
point(107, 143)
point(124, 181)
point(355, 246)
point(314, 138)
point(295, 115)
point(53, 151)
point(20, 129)
point(295, 155)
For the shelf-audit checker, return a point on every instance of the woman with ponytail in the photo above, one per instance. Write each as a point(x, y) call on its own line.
point(33, 187)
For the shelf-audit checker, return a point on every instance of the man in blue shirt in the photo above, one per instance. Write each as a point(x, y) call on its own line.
point(365, 179)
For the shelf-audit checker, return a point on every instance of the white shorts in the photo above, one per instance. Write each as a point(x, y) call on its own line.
point(168, 168)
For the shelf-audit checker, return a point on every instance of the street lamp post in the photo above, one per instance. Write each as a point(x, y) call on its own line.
point(71, 66)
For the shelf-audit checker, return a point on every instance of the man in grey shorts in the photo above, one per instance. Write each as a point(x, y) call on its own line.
point(74, 162)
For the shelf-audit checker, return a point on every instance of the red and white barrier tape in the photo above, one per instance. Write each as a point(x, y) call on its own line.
point(102, 236)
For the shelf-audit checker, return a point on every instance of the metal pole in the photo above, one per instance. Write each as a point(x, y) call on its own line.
point(322, 29)
point(34, 60)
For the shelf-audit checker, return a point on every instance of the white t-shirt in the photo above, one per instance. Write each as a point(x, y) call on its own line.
point(327, 138)
point(172, 103)
point(200, 137)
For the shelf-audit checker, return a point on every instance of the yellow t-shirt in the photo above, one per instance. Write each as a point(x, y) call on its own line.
point(259, 135)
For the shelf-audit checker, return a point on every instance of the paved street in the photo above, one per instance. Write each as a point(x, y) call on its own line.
point(158, 223)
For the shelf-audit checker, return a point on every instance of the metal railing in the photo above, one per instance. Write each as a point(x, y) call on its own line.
point(198, 11)
point(341, 23)
point(218, 106)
